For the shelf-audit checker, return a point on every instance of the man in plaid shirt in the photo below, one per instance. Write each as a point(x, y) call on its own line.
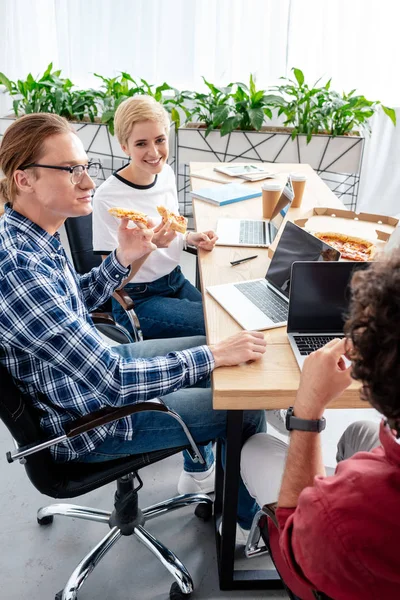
point(47, 339)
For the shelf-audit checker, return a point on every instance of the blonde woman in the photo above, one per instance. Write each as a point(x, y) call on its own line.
point(167, 304)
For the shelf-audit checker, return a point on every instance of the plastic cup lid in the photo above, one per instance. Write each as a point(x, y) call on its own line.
point(272, 186)
point(298, 177)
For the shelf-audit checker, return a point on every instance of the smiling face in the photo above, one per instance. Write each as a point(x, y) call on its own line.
point(47, 197)
point(147, 145)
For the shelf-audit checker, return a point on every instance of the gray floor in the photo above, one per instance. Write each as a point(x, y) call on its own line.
point(36, 561)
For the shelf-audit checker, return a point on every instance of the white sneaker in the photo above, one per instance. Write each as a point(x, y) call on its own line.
point(188, 484)
point(277, 418)
point(241, 534)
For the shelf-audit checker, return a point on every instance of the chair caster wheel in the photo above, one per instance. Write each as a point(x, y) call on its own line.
point(204, 511)
point(59, 596)
point(46, 521)
point(175, 593)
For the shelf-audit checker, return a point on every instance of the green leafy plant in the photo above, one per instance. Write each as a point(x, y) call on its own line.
point(244, 108)
point(115, 90)
point(50, 93)
point(249, 107)
point(212, 109)
point(318, 109)
point(349, 112)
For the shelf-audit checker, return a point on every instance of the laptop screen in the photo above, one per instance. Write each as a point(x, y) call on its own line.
point(320, 295)
point(296, 244)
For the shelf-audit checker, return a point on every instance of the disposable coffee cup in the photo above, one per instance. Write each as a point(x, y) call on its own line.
point(298, 183)
point(271, 192)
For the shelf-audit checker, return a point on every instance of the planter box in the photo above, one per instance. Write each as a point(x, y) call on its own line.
point(99, 145)
point(336, 159)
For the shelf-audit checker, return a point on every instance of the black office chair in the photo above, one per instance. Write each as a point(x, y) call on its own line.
point(80, 239)
point(69, 480)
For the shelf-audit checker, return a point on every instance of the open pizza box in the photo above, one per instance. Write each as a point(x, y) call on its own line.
point(372, 227)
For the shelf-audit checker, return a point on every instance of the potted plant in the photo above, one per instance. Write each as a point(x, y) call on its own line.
point(316, 126)
point(92, 110)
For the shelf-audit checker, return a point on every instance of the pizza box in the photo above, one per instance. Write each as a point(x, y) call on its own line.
point(372, 227)
point(365, 225)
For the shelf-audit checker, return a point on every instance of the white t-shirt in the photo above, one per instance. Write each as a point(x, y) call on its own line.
point(118, 192)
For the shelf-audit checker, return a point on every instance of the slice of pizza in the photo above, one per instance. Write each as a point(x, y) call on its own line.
point(350, 247)
point(126, 213)
point(178, 223)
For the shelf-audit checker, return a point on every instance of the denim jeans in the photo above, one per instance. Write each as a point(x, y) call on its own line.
point(155, 431)
point(167, 307)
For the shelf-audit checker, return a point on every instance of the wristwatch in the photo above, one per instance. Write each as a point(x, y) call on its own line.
point(292, 422)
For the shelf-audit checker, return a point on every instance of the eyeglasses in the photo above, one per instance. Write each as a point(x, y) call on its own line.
point(77, 171)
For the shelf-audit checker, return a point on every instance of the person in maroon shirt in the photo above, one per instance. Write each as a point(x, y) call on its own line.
point(340, 534)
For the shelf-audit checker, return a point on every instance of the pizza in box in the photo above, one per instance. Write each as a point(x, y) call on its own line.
point(350, 247)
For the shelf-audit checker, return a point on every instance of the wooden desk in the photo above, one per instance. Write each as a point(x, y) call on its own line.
point(269, 383)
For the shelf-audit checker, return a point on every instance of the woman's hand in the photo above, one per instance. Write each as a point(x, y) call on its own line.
point(134, 242)
point(205, 240)
point(163, 235)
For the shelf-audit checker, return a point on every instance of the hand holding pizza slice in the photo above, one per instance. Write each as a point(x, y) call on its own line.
point(178, 223)
point(139, 218)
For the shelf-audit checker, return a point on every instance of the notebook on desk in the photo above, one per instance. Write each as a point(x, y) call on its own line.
point(263, 303)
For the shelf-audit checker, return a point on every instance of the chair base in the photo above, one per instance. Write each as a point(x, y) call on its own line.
point(170, 561)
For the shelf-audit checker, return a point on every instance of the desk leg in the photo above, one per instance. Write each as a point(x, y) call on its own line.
point(225, 507)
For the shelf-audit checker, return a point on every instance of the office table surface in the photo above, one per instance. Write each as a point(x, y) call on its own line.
point(271, 382)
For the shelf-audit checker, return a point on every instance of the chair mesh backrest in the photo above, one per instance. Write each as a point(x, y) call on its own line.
point(80, 239)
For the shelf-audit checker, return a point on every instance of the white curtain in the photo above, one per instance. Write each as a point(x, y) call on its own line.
point(353, 41)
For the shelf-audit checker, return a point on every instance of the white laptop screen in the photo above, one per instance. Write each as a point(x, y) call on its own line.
point(296, 244)
point(320, 295)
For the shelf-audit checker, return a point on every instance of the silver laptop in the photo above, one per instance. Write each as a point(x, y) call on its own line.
point(246, 232)
point(259, 233)
point(263, 303)
point(319, 299)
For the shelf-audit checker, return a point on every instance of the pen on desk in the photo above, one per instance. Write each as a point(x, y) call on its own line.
point(237, 262)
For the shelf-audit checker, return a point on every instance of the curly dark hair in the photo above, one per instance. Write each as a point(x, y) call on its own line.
point(374, 328)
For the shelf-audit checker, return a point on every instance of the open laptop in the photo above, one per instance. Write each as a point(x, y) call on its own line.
point(254, 232)
point(319, 300)
point(263, 303)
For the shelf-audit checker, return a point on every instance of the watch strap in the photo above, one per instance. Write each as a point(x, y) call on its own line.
point(295, 423)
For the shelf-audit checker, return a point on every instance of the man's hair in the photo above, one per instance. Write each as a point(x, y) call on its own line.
point(23, 143)
point(374, 328)
point(135, 110)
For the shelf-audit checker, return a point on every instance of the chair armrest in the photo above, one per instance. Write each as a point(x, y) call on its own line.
point(104, 416)
point(102, 318)
point(124, 299)
point(191, 250)
point(108, 414)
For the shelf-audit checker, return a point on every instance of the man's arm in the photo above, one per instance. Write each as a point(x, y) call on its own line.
point(135, 266)
point(324, 377)
point(37, 318)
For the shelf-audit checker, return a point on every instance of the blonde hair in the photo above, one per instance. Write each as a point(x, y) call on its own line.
point(23, 143)
point(135, 110)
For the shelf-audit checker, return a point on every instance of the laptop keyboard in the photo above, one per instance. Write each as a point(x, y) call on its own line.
point(308, 343)
point(252, 232)
point(265, 299)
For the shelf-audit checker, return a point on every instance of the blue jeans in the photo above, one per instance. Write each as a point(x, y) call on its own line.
point(156, 431)
point(168, 307)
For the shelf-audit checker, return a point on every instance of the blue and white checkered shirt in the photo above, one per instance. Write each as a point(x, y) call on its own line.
point(51, 348)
